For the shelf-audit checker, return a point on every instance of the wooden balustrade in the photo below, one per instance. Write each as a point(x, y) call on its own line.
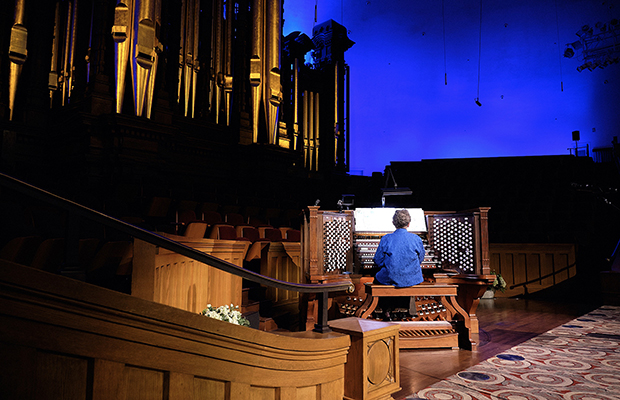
point(65, 339)
point(544, 265)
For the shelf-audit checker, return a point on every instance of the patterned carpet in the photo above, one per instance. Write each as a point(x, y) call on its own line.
point(576, 361)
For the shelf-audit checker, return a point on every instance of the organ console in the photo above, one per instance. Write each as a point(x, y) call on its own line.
point(340, 245)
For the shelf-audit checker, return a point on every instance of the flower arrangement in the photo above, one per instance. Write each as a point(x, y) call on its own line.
point(499, 283)
point(226, 313)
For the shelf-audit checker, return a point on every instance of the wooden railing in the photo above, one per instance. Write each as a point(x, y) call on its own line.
point(527, 268)
point(76, 212)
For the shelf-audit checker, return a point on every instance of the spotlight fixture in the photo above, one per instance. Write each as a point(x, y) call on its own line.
point(477, 100)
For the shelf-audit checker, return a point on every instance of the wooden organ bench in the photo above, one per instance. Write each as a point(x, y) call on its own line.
point(433, 327)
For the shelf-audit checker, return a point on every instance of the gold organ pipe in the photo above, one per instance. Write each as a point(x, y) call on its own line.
point(65, 68)
point(181, 50)
point(273, 97)
point(228, 79)
point(18, 52)
point(72, 50)
point(122, 33)
point(143, 52)
point(150, 91)
point(256, 61)
point(189, 47)
point(295, 102)
point(196, 62)
point(316, 131)
point(52, 83)
point(311, 138)
point(217, 56)
point(304, 121)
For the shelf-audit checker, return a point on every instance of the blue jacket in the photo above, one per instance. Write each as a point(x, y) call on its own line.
point(399, 255)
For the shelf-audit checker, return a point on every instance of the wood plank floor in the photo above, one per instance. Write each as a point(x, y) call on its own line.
point(504, 323)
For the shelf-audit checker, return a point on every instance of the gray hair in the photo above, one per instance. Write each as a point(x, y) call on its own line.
point(401, 219)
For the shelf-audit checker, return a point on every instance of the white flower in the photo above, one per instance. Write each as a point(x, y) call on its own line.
point(226, 313)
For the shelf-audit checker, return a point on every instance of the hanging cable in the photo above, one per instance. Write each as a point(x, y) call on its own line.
point(557, 21)
point(445, 65)
point(479, 56)
point(316, 6)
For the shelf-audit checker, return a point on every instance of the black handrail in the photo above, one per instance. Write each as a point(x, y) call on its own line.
point(78, 210)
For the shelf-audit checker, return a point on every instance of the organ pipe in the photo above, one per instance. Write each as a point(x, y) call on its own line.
point(256, 67)
point(196, 63)
point(18, 52)
point(156, 49)
point(295, 102)
point(53, 75)
point(336, 114)
point(122, 33)
point(181, 50)
point(216, 48)
point(273, 40)
point(144, 43)
point(71, 50)
point(304, 128)
point(316, 116)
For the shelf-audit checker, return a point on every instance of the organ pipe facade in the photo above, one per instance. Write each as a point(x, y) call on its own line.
point(224, 65)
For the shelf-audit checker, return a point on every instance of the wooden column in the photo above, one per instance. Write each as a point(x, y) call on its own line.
point(372, 368)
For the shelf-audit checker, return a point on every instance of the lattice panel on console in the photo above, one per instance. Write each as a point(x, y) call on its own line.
point(337, 233)
point(453, 239)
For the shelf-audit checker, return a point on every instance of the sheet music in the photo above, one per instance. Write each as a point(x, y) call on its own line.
point(380, 219)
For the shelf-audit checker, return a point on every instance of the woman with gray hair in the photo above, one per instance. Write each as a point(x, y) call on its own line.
point(399, 256)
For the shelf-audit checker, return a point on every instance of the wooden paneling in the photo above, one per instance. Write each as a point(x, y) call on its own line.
point(520, 263)
point(60, 377)
point(64, 339)
point(169, 278)
point(282, 261)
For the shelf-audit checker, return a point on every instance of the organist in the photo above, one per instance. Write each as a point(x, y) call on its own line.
point(399, 255)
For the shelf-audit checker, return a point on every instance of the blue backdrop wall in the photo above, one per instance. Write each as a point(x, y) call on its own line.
point(418, 66)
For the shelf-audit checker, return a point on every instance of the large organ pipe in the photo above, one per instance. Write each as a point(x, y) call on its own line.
point(295, 103)
point(150, 91)
point(182, 50)
point(122, 33)
point(336, 114)
point(346, 121)
point(71, 50)
point(143, 52)
point(311, 130)
point(18, 52)
point(187, 52)
point(65, 67)
point(53, 75)
point(256, 68)
point(304, 128)
point(273, 40)
point(196, 63)
point(216, 49)
point(227, 68)
point(316, 116)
